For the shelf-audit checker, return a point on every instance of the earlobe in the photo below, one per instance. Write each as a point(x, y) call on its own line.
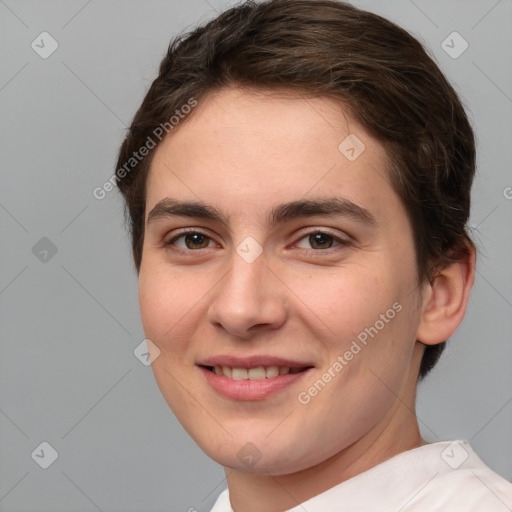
point(446, 299)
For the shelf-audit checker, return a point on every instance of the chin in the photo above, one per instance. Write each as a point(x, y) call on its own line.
point(263, 456)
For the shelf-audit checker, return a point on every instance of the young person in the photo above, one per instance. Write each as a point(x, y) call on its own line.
point(297, 183)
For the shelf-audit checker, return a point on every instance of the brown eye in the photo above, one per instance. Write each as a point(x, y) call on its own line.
point(191, 240)
point(320, 241)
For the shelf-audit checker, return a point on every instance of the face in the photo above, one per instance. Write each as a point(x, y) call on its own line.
point(278, 280)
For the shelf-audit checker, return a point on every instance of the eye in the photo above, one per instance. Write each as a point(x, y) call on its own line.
point(190, 240)
point(320, 240)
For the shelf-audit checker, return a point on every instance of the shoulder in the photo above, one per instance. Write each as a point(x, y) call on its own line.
point(445, 476)
point(459, 481)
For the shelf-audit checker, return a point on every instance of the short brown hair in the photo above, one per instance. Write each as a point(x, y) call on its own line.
point(379, 71)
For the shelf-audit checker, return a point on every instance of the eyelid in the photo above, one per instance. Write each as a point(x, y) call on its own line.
point(324, 231)
point(183, 232)
point(311, 231)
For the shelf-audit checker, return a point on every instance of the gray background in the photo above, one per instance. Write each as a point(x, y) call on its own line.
point(69, 321)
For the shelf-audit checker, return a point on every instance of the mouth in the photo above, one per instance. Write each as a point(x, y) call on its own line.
point(252, 378)
point(255, 373)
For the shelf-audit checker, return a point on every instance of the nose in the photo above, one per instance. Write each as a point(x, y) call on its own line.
point(249, 299)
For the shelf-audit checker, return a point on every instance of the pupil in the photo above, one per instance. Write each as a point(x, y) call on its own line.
point(195, 239)
point(320, 239)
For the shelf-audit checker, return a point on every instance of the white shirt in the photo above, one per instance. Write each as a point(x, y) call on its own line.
point(446, 476)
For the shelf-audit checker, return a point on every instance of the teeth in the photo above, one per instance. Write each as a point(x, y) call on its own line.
point(258, 373)
point(272, 371)
point(239, 374)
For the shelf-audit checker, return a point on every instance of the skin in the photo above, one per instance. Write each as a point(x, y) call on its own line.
point(243, 152)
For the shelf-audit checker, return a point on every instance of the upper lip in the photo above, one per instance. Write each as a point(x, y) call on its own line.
point(252, 361)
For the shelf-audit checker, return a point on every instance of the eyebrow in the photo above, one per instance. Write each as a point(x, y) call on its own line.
point(328, 206)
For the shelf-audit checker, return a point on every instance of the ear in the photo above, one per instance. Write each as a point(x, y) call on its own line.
point(445, 299)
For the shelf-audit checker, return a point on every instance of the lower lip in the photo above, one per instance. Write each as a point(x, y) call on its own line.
point(250, 389)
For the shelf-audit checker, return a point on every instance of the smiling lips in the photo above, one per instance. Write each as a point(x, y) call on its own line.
point(251, 378)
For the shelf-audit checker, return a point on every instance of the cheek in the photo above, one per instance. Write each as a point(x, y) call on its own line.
point(347, 301)
point(169, 310)
point(169, 305)
point(369, 316)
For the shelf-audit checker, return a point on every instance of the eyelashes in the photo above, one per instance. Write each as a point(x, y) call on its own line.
point(197, 236)
point(319, 237)
point(194, 240)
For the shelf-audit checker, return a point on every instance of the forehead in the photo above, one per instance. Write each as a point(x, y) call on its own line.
point(261, 147)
